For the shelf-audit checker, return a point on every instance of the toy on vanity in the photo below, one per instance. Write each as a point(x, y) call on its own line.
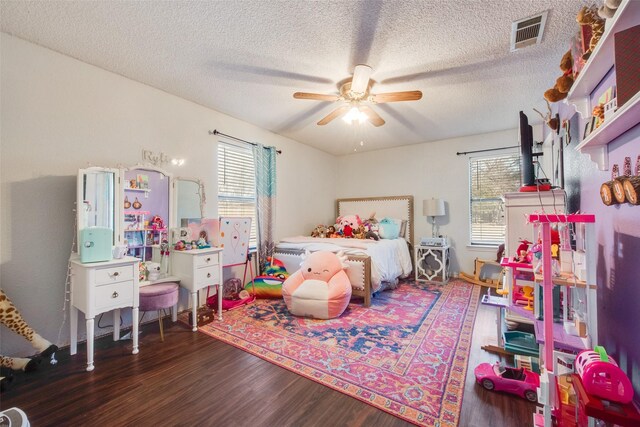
point(152, 270)
point(203, 241)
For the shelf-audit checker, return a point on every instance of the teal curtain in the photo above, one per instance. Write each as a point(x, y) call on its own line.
point(265, 164)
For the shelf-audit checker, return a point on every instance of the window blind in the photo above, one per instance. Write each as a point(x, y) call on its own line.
point(490, 178)
point(237, 184)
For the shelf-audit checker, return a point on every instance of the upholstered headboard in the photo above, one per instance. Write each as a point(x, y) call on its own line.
point(400, 207)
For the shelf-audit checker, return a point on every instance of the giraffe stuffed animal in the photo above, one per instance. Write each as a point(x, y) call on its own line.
point(11, 318)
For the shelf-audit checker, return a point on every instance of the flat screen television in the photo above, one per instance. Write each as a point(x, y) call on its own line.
point(526, 152)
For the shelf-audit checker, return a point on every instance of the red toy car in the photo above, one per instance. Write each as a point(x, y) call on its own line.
point(511, 380)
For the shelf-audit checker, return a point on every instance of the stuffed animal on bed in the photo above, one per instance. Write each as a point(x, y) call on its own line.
point(348, 224)
point(320, 231)
point(320, 289)
point(372, 227)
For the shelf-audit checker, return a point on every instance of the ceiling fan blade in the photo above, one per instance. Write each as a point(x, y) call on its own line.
point(412, 95)
point(360, 80)
point(315, 96)
point(374, 117)
point(334, 115)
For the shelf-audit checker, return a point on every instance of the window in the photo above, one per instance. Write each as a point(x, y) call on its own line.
point(237, 183)
point(490, 178)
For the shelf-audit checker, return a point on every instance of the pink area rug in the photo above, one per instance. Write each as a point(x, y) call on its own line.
point(406, 354)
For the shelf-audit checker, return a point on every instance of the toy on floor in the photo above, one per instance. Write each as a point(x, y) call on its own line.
point(478, 273)
point(269, 283)
point(320, 288)
point(233, 295)
point(518, 381)
point(11, 318)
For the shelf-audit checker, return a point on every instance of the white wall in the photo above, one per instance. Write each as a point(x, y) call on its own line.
point(426, 170)
point(58, 115)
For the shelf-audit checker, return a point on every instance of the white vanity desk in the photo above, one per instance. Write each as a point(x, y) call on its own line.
point(197, 269)
point(99, 287)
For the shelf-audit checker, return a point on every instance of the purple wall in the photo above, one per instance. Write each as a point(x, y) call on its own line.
point(158, 201)
point(618, 241)
point(618, 262)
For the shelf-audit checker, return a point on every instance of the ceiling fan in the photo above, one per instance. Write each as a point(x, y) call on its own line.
point(357, 99)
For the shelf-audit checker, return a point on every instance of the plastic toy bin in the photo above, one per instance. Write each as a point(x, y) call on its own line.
point(520, 343)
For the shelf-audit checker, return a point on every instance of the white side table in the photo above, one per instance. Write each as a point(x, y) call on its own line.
point(432, 263)
point(99, 287)
point(197, 269)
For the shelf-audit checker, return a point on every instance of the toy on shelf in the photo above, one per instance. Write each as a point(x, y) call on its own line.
point(589, 408)
point(522, 252)
point(518, 381)
point(521, 276)
point(519, 342)
point(528, 295)
point(503, 290)
point(601, 376)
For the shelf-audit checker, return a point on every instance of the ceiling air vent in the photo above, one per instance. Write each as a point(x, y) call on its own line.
point(528, 31)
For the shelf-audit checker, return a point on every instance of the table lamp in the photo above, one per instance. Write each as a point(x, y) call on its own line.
point(433, 208)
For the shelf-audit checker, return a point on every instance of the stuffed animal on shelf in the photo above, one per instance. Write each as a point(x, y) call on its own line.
point(608, 9)
point(552, 122)
point(563, 83)
point(589, 16)
point(11, 318)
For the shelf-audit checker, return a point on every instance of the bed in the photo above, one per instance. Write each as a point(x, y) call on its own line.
point(372, 265)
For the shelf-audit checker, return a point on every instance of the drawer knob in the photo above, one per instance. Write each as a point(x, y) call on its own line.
point(116, 274)
point(114, 294)
point(208, 275)
point(208, 259)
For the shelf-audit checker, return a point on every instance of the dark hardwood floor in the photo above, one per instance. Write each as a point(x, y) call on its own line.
point(192, 379)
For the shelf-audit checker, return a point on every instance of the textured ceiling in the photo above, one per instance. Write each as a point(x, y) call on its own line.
point(247, 58)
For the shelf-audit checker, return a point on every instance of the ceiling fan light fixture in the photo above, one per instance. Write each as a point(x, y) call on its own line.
point(360, 81)
point(355, 115)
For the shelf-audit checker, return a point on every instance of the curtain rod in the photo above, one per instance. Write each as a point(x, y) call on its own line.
point(217, 132)
point(488, 149)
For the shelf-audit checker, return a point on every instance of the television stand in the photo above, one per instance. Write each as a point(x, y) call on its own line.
point(540, 185)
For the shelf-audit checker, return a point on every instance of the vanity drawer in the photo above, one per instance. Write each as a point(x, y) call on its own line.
point(206, 260)
point(208, 275)
point(115, 295)
point(114, 274)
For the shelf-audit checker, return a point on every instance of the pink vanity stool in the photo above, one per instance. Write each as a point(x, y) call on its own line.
point(158, 297)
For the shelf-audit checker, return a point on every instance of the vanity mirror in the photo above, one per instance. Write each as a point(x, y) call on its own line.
point(190, 200)
point(146, 213)
point(96, 211)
